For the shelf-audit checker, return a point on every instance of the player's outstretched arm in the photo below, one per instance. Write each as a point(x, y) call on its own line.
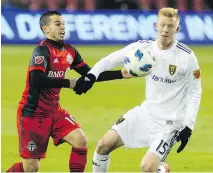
point(81, 67)
point(98, 72)
point(86, 82)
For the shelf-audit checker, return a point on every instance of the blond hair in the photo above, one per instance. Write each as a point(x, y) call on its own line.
point(169, 12)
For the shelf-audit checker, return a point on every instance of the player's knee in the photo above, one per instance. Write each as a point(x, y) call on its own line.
point(103, 147)
point(81, 141)
point(31, 165)
point(148, 166)
point(76, 138)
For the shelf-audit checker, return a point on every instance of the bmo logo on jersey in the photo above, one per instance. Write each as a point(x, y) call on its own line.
point(56, 74)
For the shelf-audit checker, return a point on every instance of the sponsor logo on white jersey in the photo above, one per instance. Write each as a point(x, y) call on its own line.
point(162, 79)
point(56, 74)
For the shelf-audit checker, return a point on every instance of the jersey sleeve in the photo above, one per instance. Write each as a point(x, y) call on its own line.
point(112, 60)
point(40, 58)
point(40, 80)
point(194, 91)
point(78, 61)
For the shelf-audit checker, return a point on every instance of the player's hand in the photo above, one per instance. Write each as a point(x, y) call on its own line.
point(125, 74)
point(73, 82)
point(84, 83)
point(184, 138)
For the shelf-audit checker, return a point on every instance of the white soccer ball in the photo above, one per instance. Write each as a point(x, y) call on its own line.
point(139, 62)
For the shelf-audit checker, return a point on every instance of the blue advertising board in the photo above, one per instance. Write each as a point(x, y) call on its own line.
point(104, 27)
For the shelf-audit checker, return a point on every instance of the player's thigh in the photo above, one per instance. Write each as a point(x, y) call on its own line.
point(163, 142)
point(110, 141)
point(34, 136)
point(66, 128)
point(132, 128)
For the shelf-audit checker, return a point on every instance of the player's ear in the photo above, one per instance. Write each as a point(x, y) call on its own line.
point(178, 29)
point(45, 29)
point(155, 26)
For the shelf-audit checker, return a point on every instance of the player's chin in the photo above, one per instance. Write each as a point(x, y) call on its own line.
point(61, 38)
point(164, 41)
point(164, 38)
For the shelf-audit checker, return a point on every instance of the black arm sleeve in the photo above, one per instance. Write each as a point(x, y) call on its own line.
point(109, 75)
point(83, 70)
point(38, 79)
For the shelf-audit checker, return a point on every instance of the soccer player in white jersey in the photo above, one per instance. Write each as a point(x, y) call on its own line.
point(173, 92)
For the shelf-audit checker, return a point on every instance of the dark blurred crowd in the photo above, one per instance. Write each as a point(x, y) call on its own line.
point(182, 5)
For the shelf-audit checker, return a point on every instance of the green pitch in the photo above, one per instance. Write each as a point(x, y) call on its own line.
point(99, 109)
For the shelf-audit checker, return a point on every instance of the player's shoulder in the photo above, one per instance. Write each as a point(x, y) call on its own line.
point(68, 46)
point(42, 46)
point(139, 43)
point(183, 48)
point(41, 49)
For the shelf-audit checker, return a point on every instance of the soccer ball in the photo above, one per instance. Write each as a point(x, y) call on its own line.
point(139, 62)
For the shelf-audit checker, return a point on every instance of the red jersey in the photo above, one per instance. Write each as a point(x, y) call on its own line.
point(53, 61)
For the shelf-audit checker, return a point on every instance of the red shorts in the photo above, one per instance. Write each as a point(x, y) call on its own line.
point(34, 133)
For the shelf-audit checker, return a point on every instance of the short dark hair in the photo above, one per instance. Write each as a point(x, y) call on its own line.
point(44, 19)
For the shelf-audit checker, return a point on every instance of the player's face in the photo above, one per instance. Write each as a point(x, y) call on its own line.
point(166, 29)
point(56, 28)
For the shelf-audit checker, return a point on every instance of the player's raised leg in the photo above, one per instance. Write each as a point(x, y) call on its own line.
point(130, 130)
point(66, 129)
point(107, 144)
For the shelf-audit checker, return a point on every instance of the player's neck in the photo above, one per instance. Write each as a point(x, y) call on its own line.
point(57, 44)
point(164, 46)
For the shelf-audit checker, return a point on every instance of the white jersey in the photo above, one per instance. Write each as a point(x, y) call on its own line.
point(173, 89)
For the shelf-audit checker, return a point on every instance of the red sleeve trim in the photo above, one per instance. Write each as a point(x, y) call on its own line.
point(80, 65)
point(37, 68)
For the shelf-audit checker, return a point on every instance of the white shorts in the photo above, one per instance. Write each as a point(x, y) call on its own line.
point(137, 130)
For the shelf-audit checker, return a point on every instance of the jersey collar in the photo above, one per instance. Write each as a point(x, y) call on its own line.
point(156, 48)
point(57, 44)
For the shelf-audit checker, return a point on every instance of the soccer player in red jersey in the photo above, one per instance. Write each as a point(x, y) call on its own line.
point(39, 114)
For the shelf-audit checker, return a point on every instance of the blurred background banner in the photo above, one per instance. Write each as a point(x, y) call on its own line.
point(104, 27)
